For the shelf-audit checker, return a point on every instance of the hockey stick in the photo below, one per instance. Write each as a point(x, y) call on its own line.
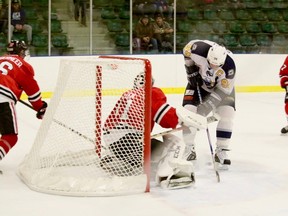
point(209, 138)
point(210, 119)
point(62, 124)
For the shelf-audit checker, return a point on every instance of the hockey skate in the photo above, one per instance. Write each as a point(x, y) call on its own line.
point(284, 130)
point(221, 158)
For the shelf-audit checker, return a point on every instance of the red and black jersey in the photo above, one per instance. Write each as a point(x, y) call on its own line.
point(283, 74)
point(16, 76)
point(128, 110)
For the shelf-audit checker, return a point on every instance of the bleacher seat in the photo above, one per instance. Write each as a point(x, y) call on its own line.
point(210, 14)
point(40, 40)
point(195, 14)
point(247, 40)
point(31, 13)
point(268, 27)
point(251, 4)
point(59, 40)
point(220, 27)
point(108, 13)
point(274, 15)
point(184, 26)
point(265, 4)
point(226, 15)
point(279, 40)
point(124, 14)
point(230, 40)
point(122, 40)
point(253, 27)
point(115, 26)
point(37, 26)
point(282, 27)
point(236, 27)
point(280, 4)
point(56, 26)
point(258, 15)
point(263, 40)
point(242, 14)
point(203, 27)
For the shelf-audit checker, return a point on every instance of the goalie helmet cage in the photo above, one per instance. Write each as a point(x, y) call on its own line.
point(65, 157)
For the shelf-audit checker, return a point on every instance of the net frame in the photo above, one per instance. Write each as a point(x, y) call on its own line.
point(113, 186)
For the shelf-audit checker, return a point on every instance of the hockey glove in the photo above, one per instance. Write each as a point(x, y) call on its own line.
point(42, 110)
point(193, 75)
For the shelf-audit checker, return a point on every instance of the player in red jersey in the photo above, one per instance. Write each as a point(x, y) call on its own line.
point(16, 76)
point(283, 74)
point(123, 134)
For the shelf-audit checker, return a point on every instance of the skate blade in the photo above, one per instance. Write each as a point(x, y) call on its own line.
point(220, 166)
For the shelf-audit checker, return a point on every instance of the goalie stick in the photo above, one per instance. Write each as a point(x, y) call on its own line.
point(62, 124)
point(210, 119)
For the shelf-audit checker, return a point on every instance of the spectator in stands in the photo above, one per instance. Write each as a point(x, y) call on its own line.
point(165, 8)
point(18, 21)
point(143, 35)
point(142, 7)
point(80, 9)
point(163, 33)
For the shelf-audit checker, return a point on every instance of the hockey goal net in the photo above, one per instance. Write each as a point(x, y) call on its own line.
point(66, 157)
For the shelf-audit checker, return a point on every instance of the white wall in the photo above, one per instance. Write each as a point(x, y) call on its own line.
point(168, 70)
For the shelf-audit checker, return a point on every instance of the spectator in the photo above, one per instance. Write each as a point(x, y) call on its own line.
point(142, 7)
point(163, 34)
point(80, 9)
point(143, 38)
point(18, 21)
point(164, 8)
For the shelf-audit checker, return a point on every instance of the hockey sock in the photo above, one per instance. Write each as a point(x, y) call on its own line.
point(6, 143)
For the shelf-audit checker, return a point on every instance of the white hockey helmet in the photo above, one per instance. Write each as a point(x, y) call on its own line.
point(139, 80)
point(217, 55)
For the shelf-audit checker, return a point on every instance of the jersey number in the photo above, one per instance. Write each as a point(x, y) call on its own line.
point(5, 67)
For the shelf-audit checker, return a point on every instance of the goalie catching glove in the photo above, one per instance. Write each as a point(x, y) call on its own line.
point(191, 119)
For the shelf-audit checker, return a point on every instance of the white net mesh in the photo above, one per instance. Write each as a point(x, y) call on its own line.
point(75, 152)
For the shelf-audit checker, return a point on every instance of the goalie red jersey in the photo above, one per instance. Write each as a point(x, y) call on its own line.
point(284, 74)
point(127, 113)
point(18, 75)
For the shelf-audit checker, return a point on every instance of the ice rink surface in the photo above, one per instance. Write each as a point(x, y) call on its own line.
point(256, 183)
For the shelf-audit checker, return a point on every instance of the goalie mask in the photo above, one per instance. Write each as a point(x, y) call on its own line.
point(217, 55)
point(139, 81)
point(18, 48)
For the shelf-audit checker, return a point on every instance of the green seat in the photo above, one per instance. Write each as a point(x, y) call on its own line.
point(56, 26)
point(108, 13)
point(242, 14)
point(122, 40)
point(195, 14)
point(258, 15)
point(31, 13)
point(115, 26)
point(124, 14)
point(236, 27)
point(210, 14)
point(184, 26)
point(36, 25)
point(263, 40)
point(250, 4)
point(59, 40)
point(280, 40)
point(220, 27)
point(265, 4)
point(282, 27)
point(247, 40)
point(253, 27)
point(280, 4)
point(268, 27)
point(230, 40)
point(274, 15)
point(203, 27)
point(40, 40)
point(226, 15)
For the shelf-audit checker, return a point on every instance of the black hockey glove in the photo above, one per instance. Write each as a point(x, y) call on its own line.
point(193, 75)
point(42, 110)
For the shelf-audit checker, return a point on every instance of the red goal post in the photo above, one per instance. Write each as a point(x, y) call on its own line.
point(66, 156)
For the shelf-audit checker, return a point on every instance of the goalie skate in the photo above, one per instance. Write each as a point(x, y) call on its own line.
point(221, 158)
point(284, 130)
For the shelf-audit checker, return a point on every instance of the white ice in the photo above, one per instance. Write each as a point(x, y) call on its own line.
point(256, 183)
